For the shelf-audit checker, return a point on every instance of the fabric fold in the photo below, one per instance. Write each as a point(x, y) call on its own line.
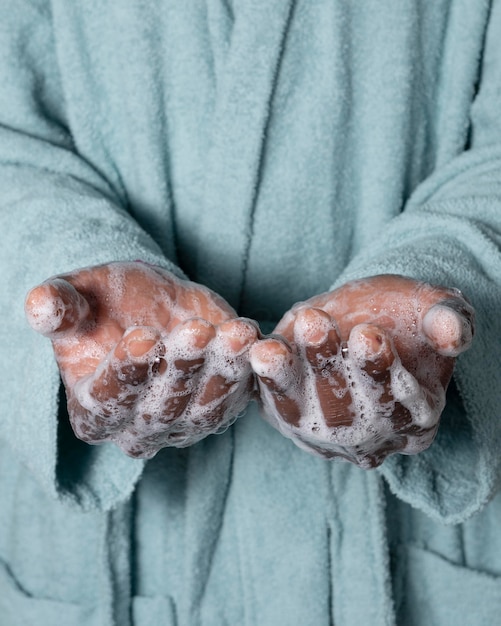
point(85, 222)
point(238, 138)
point(450, 234)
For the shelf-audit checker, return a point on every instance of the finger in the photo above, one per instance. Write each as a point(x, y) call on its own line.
point(213, 409)
point(229, 369)
point(218, 387)
point(175, 376)
point(104, 402)
point(316, 332)
point(372, 349)
point(311, 325)
point(448, 326)
point(239, 334)
point(128, 368)
point(55, 308)
point(186, 348)
point(186, 351)
point(275, 366)
point(197, 301)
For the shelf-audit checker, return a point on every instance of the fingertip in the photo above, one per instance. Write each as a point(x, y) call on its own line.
point(240, 333)
point(370, 343)
point(43, 312)
point(196, 333)
point(269, 357)
point(448, 327)
point(55, 307)
point(312, 326)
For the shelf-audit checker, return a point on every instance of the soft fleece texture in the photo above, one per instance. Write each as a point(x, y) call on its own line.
point(270, 150)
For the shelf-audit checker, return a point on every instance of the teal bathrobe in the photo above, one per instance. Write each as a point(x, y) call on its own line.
point(270, 149)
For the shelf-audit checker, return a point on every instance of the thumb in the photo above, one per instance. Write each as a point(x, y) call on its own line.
point(449, 326)
point(55, 308)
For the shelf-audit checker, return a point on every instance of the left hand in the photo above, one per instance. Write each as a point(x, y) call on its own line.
point(361, 372)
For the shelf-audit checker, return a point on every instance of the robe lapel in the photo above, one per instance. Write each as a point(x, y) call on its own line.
point(243, 101)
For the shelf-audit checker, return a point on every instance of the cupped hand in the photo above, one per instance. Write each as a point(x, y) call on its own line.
point(361, 372)
point(148, 360)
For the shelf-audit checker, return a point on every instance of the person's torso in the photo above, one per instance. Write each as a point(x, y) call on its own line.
point(269, 141)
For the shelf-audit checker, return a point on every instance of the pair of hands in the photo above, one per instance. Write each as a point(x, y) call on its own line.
point(149, 360)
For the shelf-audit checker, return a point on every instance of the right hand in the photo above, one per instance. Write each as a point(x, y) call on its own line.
point(148, 360)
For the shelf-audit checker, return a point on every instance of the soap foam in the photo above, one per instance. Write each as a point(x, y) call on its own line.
point(143, 436)
point(137, 418)
point(46, 315)
point(372, 432)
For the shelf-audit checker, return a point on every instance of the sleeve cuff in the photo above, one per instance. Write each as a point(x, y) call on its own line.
point(461, 471)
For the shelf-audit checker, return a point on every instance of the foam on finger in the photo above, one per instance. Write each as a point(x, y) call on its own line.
point(55, 307)
point(105, 400)
point(361, 402)
point(271, 359)
point(371, 405)
point(369, 343)
point(240, 333)
point(448, 329)
point(311, 326)
point(170, 414)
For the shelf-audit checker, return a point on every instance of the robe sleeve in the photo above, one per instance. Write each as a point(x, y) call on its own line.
point(57, 213)
point(449, 233)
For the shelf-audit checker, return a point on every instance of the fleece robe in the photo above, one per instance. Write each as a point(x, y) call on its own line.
point(270, 150)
